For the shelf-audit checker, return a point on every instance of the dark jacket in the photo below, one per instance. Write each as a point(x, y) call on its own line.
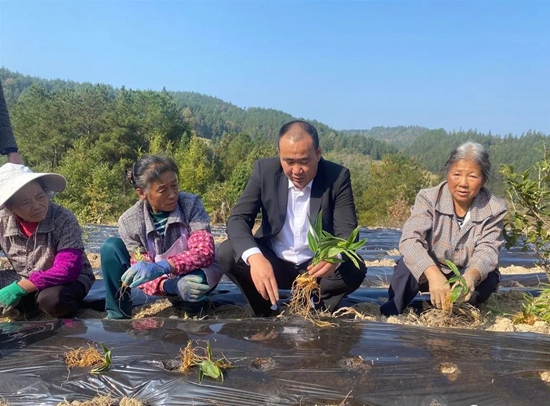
point(267, 193)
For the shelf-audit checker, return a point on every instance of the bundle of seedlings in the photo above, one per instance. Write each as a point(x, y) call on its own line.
point(453, 314)
point(328, 248)
point(89, 357)
point(203, 358)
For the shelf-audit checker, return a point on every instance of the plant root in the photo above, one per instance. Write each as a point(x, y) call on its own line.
point(463, 316)
point(347, 311)
point(83, 357)
point(303, 288)
point(188, 358)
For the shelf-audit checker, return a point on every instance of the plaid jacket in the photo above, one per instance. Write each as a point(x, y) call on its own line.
point(58, 231)
point(431, 234)
point(136, 225)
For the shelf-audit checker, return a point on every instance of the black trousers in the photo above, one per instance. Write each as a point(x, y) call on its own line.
point(56, 301)
point(334, 288)
point(404, 287)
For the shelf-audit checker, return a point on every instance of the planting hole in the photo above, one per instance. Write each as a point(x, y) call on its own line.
point(263, 364)
point(447, 368)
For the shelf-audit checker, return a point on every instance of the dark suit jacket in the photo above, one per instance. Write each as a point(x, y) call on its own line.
point(267, 192)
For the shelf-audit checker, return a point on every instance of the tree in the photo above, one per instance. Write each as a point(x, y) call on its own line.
point(528, 222)
point(391, 191)
point(198, 167)
point(96, 191)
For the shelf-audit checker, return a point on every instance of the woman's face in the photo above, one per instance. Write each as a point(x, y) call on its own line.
point(464, 180)
point(162, 194)
point(30, 203)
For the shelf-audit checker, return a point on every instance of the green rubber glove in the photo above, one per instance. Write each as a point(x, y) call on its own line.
point(10, 296)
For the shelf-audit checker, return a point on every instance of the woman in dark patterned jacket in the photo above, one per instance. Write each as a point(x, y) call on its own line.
point(458, 220)
point(165, 245)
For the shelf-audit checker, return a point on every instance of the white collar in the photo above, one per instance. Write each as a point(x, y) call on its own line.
point(292, 186)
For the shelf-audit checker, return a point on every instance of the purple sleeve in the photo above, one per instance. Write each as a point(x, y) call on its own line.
point(66, 268)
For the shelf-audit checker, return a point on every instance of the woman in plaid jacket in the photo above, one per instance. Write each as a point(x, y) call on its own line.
point(49, 270)
point(458, 220)
point(165, 245)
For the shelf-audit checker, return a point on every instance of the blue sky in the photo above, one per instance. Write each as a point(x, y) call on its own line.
point(481, 65)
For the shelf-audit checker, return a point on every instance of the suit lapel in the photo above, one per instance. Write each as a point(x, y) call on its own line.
point(282, 198)
point(317, 190)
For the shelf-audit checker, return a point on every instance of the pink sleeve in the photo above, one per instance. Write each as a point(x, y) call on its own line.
point(152, 288)
point(66, 268)
point(200, 253)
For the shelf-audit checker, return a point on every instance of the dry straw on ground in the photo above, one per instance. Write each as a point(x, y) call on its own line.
point(103, 400)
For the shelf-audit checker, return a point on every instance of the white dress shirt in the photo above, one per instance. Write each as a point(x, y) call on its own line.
point(291, 243)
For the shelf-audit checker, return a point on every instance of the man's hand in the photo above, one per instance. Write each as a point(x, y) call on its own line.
point(263, 277)
point(440, 291)
point(322, 269)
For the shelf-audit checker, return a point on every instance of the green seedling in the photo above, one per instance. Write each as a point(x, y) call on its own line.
point(535, 308)
point(203, 358)
point(86, 357)
point(460, 287)
point(106, 360)
point(209, 367)
point(138, 256)
point(325, 247)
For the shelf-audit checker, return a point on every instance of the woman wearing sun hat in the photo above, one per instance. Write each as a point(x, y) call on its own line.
point(43, 243)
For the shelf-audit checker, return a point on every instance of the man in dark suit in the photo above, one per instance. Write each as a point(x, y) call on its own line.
point(286, 190)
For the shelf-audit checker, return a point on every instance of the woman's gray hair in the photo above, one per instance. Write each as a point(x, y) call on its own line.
point(471, 151)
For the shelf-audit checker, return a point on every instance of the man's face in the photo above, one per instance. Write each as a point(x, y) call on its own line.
point(299, 158)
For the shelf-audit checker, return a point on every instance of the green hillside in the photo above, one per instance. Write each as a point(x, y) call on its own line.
point(92, 132)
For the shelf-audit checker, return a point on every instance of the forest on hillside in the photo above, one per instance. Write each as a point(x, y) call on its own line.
point(92, 133)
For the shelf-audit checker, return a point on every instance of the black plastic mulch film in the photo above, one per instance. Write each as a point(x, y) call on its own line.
point(281, 361)
point(277, 362)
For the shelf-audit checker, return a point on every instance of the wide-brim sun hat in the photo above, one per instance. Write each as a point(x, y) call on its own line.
point(13, 177)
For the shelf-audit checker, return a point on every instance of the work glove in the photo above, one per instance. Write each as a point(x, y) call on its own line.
point(190, 288)
point(144, 271)
point(10, 296)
